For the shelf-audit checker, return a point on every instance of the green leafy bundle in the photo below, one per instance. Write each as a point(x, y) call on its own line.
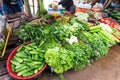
point(83, 53)
point(64, 31)
point(31, 32)
point(59, 59)
point(96, 43)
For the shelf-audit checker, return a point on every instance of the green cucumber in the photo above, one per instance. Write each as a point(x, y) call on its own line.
point(21, 54)
point(33, 57)
point(13, 67)
point(34, 52)
point(27, 59)
point(41, 55)
point(15, 63)
point(28, 48)
point(20, 48)
point(18, 59)
point(21, 68)
point(26, 51)
point(36, 70)
point(37, 62)
point(36, 66)
point(28, 74)
point(23, 72)
point(36, 57)
point(41, 66)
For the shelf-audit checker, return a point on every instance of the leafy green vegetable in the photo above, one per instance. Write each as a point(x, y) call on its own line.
point(64, 31)
point(96, 43)
point(31, 32)
point(59, 59)
point(83, 54)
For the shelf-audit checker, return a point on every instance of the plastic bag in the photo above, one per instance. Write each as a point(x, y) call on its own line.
point(98, 5)
point(84, 4)
point(2, 31)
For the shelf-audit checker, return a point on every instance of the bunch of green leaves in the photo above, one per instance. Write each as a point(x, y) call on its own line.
point(50, 42)
point(83, 53)
point(83, 25)
point(99, 46)
point(96, 43)
point(59, 59)
point(64, 31)
point(30, 32)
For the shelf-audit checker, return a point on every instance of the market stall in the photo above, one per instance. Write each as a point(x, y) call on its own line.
point(63, 41)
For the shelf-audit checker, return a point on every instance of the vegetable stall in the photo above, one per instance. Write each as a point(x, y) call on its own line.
point(72, 44)
point(62, 43)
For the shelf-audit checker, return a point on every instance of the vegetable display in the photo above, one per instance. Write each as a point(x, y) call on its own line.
point(28, 60)
point(70, 42)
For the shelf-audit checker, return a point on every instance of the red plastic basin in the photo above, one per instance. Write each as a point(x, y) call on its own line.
point(13, 74)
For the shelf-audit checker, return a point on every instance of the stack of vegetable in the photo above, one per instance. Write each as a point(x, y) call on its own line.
point(69, 44)
point(104, 34)
point(30, 32)
point(115, 14)
point(111, 23)
point(64, 31)
point(28, 60)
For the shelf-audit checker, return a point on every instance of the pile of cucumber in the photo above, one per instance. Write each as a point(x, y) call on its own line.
point(28, 60)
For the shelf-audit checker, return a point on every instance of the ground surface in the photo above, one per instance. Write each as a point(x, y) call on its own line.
point(106, 68)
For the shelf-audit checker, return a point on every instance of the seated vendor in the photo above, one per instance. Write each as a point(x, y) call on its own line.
point(68, 5)
point(10, 7)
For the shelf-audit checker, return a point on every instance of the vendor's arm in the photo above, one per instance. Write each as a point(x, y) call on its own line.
point(20, 3)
